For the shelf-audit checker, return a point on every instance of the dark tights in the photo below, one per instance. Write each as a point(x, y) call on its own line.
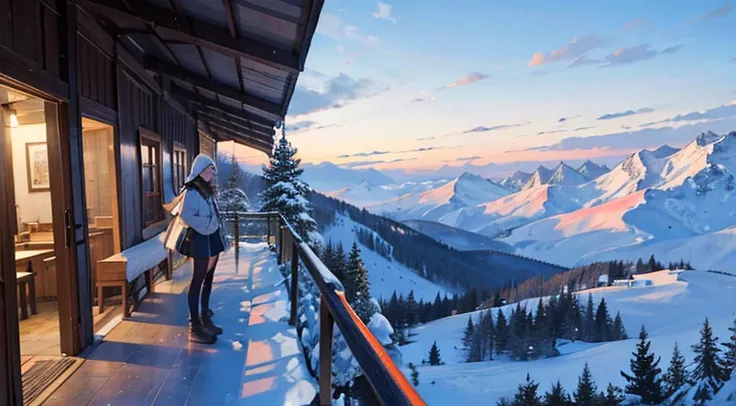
point(201, 282)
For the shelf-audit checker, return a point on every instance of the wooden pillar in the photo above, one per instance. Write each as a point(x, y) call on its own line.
point(294, 293)
point(326, 326)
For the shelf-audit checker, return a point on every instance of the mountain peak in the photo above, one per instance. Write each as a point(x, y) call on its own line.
point(592, 170)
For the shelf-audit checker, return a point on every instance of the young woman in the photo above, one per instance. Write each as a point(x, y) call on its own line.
point(202, 241)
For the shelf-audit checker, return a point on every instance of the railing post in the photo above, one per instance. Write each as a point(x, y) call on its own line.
point(237, 241)
point(326, 325)
point(294, 282)
point(268, 229)
point(280, 245)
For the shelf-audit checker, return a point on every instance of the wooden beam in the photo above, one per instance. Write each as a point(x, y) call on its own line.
point(198, 32)
point(234, 130)
point(226, 134)
point(236, 127)
point(245, 124)
point(227, 109)
point(270, 109)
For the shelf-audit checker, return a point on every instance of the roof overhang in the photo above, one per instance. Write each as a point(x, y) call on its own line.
point(235, 63)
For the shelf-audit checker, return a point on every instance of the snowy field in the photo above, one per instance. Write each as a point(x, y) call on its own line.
point(385, 276)
point(672, 309)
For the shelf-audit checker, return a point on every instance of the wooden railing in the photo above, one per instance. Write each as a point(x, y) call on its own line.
point(389, 385)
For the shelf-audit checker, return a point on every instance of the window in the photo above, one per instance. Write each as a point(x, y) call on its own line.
point(180, 167)
point(151, 177)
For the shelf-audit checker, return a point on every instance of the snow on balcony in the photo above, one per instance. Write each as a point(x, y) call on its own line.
point(147, 359)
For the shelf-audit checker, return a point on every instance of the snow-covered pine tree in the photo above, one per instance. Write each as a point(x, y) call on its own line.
point(602, 323)
point(676, 375)
point(434, 355)
point(526, 394)
point(286, 193)
point(585, 394)
point(618, 330)
point(502, 332)
point(613, 396)
point(414, 374)
point(557, 396)
point(341, 265)
point(411, 310)
point(357, 287)
point(729, 357)
point(468, 337)
point(644, 380)
point(708, 374)
point(589, 321)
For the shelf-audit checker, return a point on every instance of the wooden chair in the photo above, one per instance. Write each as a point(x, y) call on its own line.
point(26, 281)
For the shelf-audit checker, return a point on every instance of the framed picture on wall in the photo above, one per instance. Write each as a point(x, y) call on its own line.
point(37, 165)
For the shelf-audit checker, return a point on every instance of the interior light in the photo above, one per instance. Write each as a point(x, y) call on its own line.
point(13, 119)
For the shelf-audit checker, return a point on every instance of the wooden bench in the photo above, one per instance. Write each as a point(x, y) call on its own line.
point(121, 269)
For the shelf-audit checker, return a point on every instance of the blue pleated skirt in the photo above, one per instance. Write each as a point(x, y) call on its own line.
point(204, 246)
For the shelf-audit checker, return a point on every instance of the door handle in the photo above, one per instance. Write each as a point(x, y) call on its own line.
point(68, 229)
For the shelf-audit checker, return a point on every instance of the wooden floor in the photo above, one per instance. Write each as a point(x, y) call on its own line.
point(39, 334)
point(147, 359)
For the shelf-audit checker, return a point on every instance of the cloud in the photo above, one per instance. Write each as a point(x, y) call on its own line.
point(376, 153)
point(467, 158)
point(423, 99)
point(642, 138)
point(722, 11)
point(384, 12)
point(672, 49)
point(563, 119)
point(306, 126)
point(630, 55)
point(483, 129)
point(470, 78)
point(576, 48)
point(338, 91)
point(633, 24)
point(611, 116)
point(357, 164)
point(551, 132)
point(301, 125)
point(717, 113)
point(425, 139)
point(584, 128)
point(584, 60)
point(732, 60)
point(332, 26)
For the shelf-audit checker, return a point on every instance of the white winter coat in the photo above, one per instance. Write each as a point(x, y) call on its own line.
point(195, 211)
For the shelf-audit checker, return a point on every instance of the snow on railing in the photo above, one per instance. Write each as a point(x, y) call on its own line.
point(388, 383)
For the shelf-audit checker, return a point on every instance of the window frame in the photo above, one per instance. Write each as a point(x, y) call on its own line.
point(151, 139)
point(179, 168)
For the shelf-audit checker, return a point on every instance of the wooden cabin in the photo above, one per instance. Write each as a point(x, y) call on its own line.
point(104, 104)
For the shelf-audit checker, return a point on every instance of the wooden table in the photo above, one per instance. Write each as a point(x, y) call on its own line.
point(27, 279)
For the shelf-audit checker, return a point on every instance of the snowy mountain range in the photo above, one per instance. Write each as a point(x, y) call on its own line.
point(673, 203)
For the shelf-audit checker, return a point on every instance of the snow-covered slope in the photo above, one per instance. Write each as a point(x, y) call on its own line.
point(385, 276)
point(565, 175)
point(539, 177)
point(672, 309)
point(637, 172)
point(364, 194)
point(592, 170)
point(516, 181)
point(673, 199)
point(466, 191)
point(456, 238)
point(328, 177)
